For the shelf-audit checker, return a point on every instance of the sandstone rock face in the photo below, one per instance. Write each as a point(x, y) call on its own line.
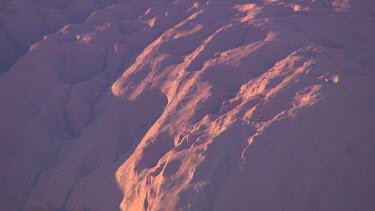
point(187, 105)
point(24, 22)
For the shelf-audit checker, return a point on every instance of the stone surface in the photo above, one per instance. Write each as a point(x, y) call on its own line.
point(187, 105)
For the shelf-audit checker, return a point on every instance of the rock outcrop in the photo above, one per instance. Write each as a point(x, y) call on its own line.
point(187, 105)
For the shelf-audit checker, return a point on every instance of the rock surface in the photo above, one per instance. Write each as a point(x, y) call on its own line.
point(187, 105)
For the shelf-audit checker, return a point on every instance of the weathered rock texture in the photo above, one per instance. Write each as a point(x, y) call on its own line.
point(187, 105)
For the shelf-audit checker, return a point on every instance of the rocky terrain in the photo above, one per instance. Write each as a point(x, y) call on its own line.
point(187, 105)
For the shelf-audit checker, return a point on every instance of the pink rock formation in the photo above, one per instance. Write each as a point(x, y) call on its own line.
point(187, 105)
point(24, 22)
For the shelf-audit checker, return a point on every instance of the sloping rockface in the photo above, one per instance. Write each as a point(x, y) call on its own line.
point(187, 105)
point(24, 22)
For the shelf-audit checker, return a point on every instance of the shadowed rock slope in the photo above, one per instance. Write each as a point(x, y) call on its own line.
point(187, 105)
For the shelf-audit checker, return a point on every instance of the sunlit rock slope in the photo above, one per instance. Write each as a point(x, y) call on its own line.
point(187, 105)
